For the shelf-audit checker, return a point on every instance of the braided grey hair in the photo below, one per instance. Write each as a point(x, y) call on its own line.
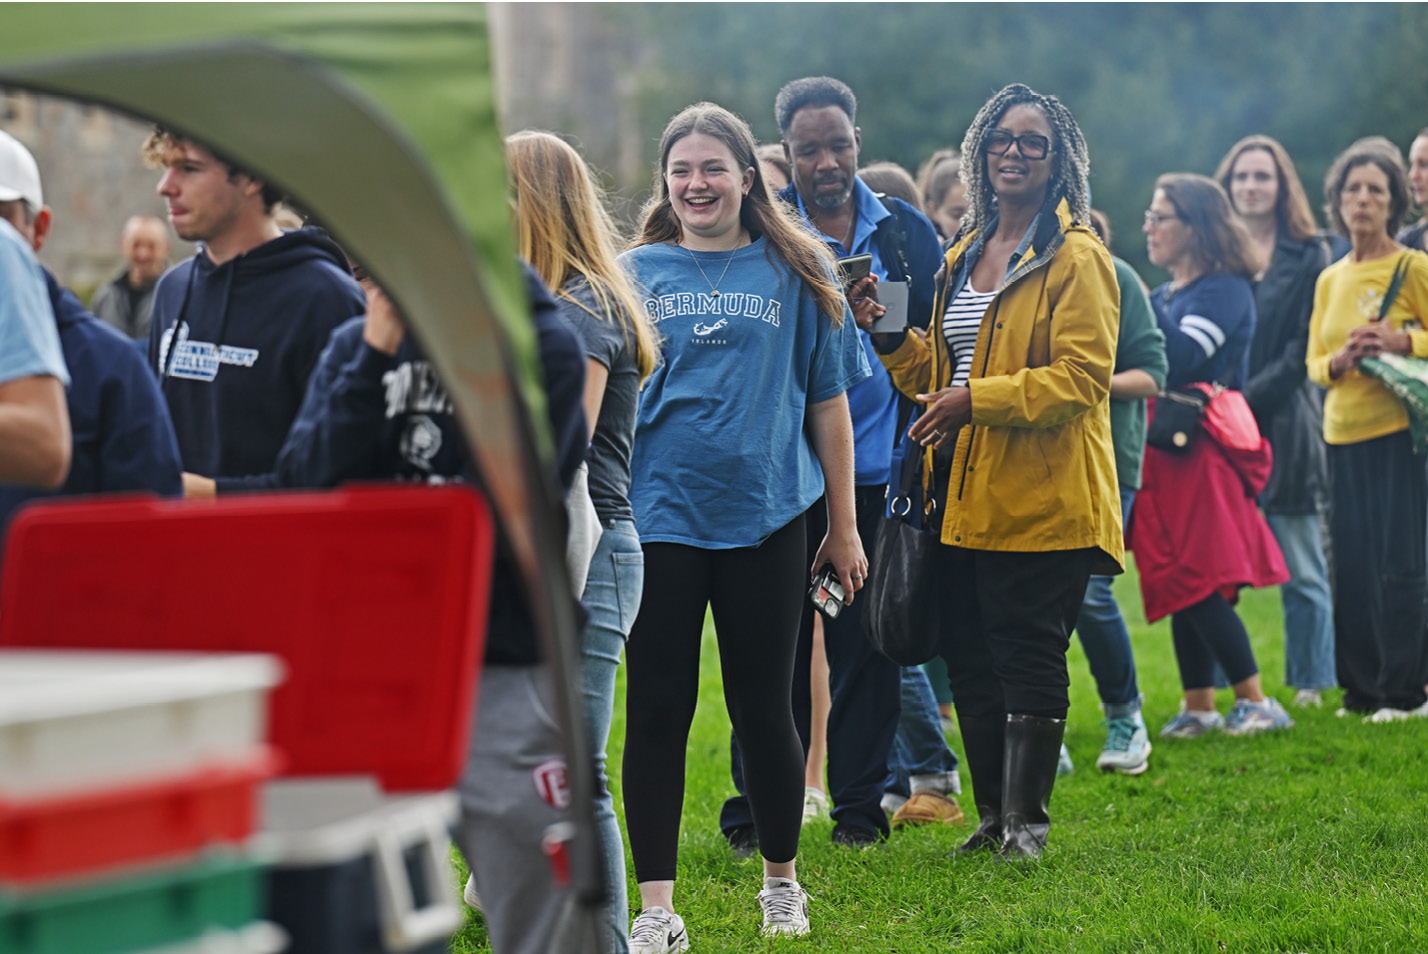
point(1071, 163)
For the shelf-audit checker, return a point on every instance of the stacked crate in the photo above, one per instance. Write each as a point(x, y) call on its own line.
point(375, 601)
point(129, 788)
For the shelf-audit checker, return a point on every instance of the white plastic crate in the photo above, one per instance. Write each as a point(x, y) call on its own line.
point(341, 846)
point(257, 938)
point(71, 720)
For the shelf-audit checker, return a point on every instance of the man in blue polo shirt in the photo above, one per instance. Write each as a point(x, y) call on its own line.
point(817, 116)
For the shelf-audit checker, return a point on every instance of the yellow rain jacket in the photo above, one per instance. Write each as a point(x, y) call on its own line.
point(1035, 469)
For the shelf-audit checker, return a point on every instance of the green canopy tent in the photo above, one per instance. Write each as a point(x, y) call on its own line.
point(380, 119)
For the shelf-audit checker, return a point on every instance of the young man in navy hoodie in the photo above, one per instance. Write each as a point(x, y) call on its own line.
point(121, 436)
point(237, 328)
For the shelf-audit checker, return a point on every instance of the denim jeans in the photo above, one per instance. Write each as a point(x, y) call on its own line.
point(1308, 603)
point(612, 597)
point(919, 748)
point(1106, 641)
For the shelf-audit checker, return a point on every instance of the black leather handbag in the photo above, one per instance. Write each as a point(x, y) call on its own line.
point(901, 606)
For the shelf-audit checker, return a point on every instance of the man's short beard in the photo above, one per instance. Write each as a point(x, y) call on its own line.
point(831, 203)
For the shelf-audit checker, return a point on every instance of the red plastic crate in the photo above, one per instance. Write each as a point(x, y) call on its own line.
point(375, 598)
point(88, 832)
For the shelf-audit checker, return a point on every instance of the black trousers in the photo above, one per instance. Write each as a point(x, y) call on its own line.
point(1007, 620)
point(755, 594)
point(1380, 510)
point(865, 697)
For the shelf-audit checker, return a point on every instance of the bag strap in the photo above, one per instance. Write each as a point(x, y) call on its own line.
point(1394, 284)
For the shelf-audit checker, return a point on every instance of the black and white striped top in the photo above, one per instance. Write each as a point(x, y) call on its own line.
point(959, 327)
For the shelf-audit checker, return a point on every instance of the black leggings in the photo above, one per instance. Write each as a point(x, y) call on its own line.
point(1207, 633)
point(756, 596)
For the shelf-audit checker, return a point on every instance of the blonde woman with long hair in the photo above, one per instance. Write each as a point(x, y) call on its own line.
point(564, 231)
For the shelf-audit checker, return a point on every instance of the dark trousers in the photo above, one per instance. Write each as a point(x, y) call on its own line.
point(754, 594)
point(1380, 507)
point(1007, 621)
point(864, 687)
point(1208, 634)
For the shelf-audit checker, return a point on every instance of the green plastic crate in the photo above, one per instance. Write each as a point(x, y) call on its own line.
point(144, 910)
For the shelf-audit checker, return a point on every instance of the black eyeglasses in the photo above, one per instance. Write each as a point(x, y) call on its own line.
point(1030, 145)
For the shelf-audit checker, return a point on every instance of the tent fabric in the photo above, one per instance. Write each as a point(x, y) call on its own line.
point(380, 119)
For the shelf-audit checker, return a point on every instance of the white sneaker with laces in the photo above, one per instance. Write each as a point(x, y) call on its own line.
point(785, 907)
point(1127, 747)
point(657, 931)
point(1308, 699)
point(469, 895)
point(815, 804)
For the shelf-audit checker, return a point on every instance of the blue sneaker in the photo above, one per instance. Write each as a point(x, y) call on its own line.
point(1189, 724)
point(1064, 765)
point(1127, 746)
point(1247, 717)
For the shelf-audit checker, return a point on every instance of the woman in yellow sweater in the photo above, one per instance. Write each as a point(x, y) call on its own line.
point(1380, 495)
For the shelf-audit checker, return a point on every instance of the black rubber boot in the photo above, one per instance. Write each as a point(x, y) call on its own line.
point(983, 742)
point(1033, 745)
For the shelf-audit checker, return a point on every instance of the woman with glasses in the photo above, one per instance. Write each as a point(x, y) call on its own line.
point(1017, 418)
point(1380, 497)
point(1198, 535)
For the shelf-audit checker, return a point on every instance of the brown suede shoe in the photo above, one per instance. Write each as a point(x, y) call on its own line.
point(928, 808)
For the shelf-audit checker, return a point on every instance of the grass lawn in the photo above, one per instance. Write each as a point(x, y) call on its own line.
point(1313, 839)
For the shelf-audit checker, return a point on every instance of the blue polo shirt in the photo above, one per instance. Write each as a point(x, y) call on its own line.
point(872, 402)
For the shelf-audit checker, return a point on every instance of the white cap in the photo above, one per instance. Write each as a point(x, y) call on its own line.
point(19, 176)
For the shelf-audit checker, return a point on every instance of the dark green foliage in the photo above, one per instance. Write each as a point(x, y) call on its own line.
point(1155, 87)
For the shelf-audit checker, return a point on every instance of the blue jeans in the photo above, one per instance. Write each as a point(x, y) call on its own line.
point(919, 748)
point(1308, 603)
point(1107, 642)
point(612, 597)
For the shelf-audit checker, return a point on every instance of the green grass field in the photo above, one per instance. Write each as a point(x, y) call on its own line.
point(1313, 839)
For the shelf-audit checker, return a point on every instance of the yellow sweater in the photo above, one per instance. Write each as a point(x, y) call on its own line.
point(1358, 408)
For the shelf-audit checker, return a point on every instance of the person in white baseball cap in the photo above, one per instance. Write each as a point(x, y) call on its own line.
point(34, 423)
point(19, 176)
point(124, 441)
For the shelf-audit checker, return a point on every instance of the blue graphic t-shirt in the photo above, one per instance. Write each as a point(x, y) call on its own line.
point(721, 459)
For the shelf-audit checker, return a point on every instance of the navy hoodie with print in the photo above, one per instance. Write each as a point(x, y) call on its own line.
point(373, 416)
point(122, 438)
point(249, 334)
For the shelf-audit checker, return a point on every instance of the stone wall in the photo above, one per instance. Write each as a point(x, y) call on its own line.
point(565, 67)
point(93, 180)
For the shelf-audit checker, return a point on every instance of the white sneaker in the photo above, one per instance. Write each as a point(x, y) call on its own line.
point(469, 895)
point(815, 804)
point(657, 931)
point(1127, 746)
point(785, 907)
point(1308, 699)
point(1398, 715)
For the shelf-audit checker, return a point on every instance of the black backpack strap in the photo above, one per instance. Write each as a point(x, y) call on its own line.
point(894, 248)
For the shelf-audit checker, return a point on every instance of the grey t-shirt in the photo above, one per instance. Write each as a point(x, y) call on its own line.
point(605, 340)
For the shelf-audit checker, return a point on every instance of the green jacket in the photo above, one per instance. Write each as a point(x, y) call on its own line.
point(1139, 344)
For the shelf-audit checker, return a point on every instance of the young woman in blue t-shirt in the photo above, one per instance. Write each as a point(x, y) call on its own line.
point(740, 430)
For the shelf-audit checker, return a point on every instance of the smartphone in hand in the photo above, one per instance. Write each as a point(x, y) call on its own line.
point(827, 592)
point(854, 269)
